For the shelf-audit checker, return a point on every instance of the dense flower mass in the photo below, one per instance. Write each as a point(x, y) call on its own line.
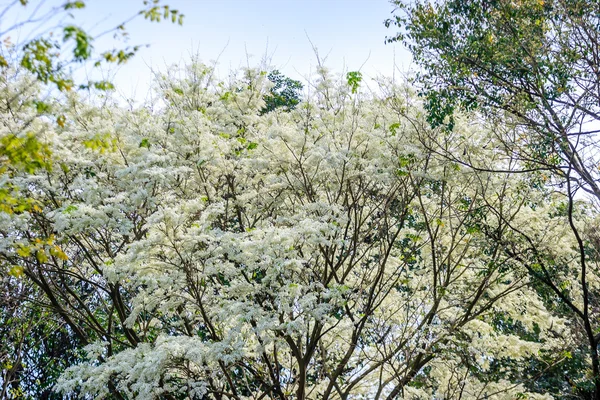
point(201, 248)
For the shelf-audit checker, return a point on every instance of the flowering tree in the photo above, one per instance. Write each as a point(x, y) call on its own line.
point(202, 248)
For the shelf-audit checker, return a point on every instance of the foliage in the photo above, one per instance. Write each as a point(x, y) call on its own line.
point(47, 57)
point(533, 59)
point(200, 248)
point(20, 149)
point(48, 54)
point(354, 78)
point(529, 68)
point(37, 345)
point(283, 93)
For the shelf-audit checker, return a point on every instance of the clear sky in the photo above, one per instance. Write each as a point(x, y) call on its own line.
point(349, 32)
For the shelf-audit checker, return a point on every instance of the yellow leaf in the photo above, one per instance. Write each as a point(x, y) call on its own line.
point(24, 251)
point(16, 271)
point(57, 252)
point(567, 354)
point(41, 256)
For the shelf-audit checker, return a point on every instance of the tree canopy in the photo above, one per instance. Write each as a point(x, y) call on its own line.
point(532, 67)
point(232, 239)
point(207, 249)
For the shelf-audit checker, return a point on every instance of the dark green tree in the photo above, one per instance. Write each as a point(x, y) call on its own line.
point(36, 346)
point(533, 59)
point(284, 93)
point(533, 66)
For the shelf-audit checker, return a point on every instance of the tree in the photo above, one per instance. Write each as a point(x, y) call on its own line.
point(205, 249)
point(531, 59)
point(284, 93)
point(36, 347)
point(48, 56)
point(37, 343)
point(530, 68)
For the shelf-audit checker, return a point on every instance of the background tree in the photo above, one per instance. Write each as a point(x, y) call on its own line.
point(36, 347)
point(284, 93)
point(532, 59)
point(530, 68)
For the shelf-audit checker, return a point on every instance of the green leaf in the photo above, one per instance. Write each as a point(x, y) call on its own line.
point(41, 107)
point(83, 47)
point(145, 143)
point(104, 85)
point(74, 5)
point(69, 209)
point(285, 93)
point(354, 78)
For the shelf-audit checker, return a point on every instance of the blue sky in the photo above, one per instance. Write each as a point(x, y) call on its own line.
point(349, 32)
